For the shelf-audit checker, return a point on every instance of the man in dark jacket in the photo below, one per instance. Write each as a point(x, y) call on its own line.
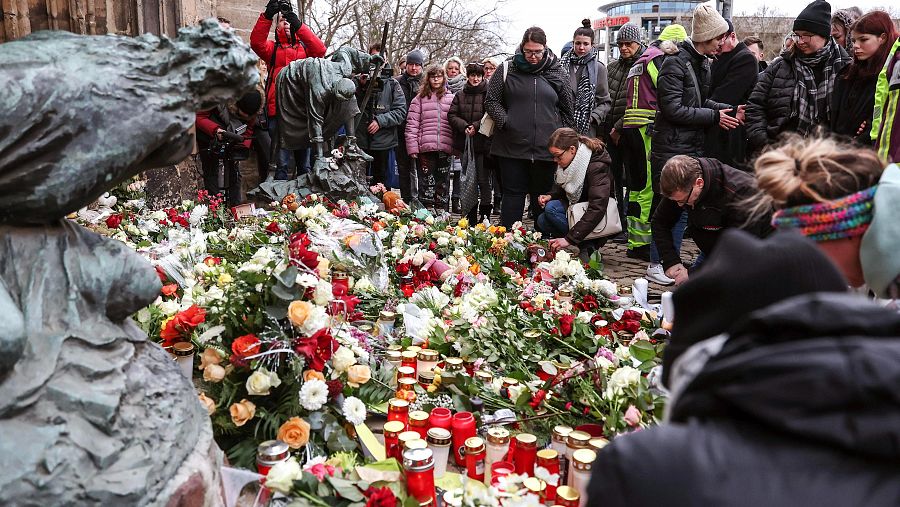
point(713, 194)
point(377, 132)
point(409, 83)
point(606, 120)
point(787, 396)
point(465, 116)
point(755, 45)
point(732, 78)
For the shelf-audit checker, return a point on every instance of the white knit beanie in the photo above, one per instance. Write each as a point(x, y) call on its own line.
point(707, 24)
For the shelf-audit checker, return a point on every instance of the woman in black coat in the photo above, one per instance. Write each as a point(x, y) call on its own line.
point(528, 98)
point(854, 91)
point(465, 116)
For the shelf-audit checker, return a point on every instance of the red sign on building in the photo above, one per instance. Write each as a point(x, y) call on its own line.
point(610, 22)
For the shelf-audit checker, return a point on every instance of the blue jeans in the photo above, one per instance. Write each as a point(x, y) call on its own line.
point(553, 221)
point(677, 237)
point(286, 159)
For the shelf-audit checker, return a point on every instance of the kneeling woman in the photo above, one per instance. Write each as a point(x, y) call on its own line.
point(582, 175)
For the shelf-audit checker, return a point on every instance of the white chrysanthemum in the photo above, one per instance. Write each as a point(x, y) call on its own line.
point(316, 320)
point(354, 410)
point(305, 279)
point(313, 394)
point(342, 359)
point(364, 284)
point(158, 215)
point(323, 294)
point(198, 214)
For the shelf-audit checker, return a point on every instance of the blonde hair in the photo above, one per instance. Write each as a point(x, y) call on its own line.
point(679, 173)
point(564, 138)
point(815, 169)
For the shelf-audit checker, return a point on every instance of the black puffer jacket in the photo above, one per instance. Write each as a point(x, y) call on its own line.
point(852, 104)
point(770, 108)
point(596, 190)
point(468, 109)
point(719, 207)
point(800, 407)
point(684, 111)
point(618, 76)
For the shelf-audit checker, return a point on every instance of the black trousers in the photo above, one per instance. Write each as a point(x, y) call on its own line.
point(210, 165)
point(403, 165)
point(378, 167)
point(617, 169)
point(521, 177)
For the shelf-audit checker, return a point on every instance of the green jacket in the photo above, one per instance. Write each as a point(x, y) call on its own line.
point(887, 100)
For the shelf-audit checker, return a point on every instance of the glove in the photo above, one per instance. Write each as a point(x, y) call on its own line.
point(293, 20)
point(271, 9)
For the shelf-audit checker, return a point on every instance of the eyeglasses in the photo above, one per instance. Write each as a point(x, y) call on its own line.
point(529, 52)
point(558, 156)
point(686, 199)
point(802, 38)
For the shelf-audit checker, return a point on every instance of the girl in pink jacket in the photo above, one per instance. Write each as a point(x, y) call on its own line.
point(429, 138)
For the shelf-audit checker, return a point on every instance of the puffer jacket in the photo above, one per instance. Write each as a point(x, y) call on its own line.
point(684, 111)
point(428, 124)
point(527, 107)
point(388, 108)
point(468, 109)
point(798, 407)
point(596, 191)
point(308, 45)
point(618, 92)
point(885, 120)
point(771, 109)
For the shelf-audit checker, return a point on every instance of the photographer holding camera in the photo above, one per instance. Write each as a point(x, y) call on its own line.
point(377, 131)
point(293, 41)
point(224, 134)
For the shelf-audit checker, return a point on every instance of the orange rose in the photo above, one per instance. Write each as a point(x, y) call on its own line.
point(294, 432)
point(208, 403)
point(298, 312)
point(208, 357)
point(242, 412)
point(313, 374)
point(358, 374)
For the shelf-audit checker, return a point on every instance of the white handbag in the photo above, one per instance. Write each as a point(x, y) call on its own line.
point(486, 127)
point(609, 225)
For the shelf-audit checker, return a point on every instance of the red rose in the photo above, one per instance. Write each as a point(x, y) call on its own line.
point(403, 269)
point(113, 221)
point(631, 315)
point(182, 324)
point(632, 326)
point(335, 387)
point(168, 290)
point(300, 254)
point(565, 324)
point(273, 227)
point(246, 345)
point(381, 497)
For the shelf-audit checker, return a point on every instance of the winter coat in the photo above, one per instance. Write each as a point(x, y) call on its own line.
point(468, 109)
point(389, 112)
point(684, 111)
point(410, 86)
point(733, 75)
point(527, 108)
point(799, 407)
point(428, 125)
point(308, 45)
point(596, 191)
point(885, 128)
point(719, 207)
point(641, 99)
point(210, 120)
point(618, 93)
point(852, 103)
point(770, 108)
point(602, 102)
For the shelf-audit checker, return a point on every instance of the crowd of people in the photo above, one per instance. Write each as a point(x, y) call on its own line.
point(668, 136)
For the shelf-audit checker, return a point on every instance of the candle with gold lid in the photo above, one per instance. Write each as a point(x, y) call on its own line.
point(497, 448)
point(548, 464)
point(574, 441)
point(582, 462)
point(567, 496)
point(385, 323)
point(426, 360)
point(418, 422)
point(184, 356)
point(525, 453)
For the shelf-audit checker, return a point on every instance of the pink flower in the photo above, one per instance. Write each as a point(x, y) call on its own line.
point(632, 416)
point(319, 468)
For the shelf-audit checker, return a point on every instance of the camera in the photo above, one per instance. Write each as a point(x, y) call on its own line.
point(284, 6)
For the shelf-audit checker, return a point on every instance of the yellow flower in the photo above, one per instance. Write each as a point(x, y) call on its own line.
point(242, 412)
point(313, 374)
point(225, 279)
point(294, 432)
point(463, 222)
point(480, 227)
point(462, 233)
point(501, 230)
point(492, 229)
point(358, 374)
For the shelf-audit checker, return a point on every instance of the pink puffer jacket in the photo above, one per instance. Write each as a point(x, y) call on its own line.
point(428, 124)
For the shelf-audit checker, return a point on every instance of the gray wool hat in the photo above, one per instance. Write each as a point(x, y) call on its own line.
point(629, 33)
point(415, 57)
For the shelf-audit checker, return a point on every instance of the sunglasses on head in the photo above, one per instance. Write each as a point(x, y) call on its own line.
point(477, 64)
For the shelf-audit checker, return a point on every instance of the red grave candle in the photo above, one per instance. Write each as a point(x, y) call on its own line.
point(462, 427)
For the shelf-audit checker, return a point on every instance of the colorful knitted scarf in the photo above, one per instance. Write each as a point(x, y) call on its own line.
point(846, 217)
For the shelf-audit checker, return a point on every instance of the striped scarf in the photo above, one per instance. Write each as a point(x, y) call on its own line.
point(813, 99)
point(584, 92)
point(846, 217)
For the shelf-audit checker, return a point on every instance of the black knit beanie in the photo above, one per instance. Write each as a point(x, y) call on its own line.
point(745, 274)
point(815, 18)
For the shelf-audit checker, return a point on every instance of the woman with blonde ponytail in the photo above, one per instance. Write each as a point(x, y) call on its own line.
point(829, 191)
point(582, 175)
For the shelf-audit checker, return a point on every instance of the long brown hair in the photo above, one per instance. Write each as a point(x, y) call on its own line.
point(425, 90)
point(564, 138)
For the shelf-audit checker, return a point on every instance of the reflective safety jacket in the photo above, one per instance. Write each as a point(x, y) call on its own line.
point(885, 128)
point(641, 106)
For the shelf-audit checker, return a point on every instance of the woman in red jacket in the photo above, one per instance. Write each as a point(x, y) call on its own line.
point(429, 137)
point(293, 41)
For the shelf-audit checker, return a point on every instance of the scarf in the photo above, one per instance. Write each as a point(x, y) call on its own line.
point(586, 70)
point(824, 221)
point(455, 84)
point(813, 99)
point(522, 65)
point(571, 179)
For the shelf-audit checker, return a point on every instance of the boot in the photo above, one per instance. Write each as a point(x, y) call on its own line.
point(456, 209)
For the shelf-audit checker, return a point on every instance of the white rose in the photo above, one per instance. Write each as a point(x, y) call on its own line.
point(623, 353)
point(342, 359)
point(281, 477)
point(323, 293)
point(169, 307)
point(261, 381)
point(624, 377)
